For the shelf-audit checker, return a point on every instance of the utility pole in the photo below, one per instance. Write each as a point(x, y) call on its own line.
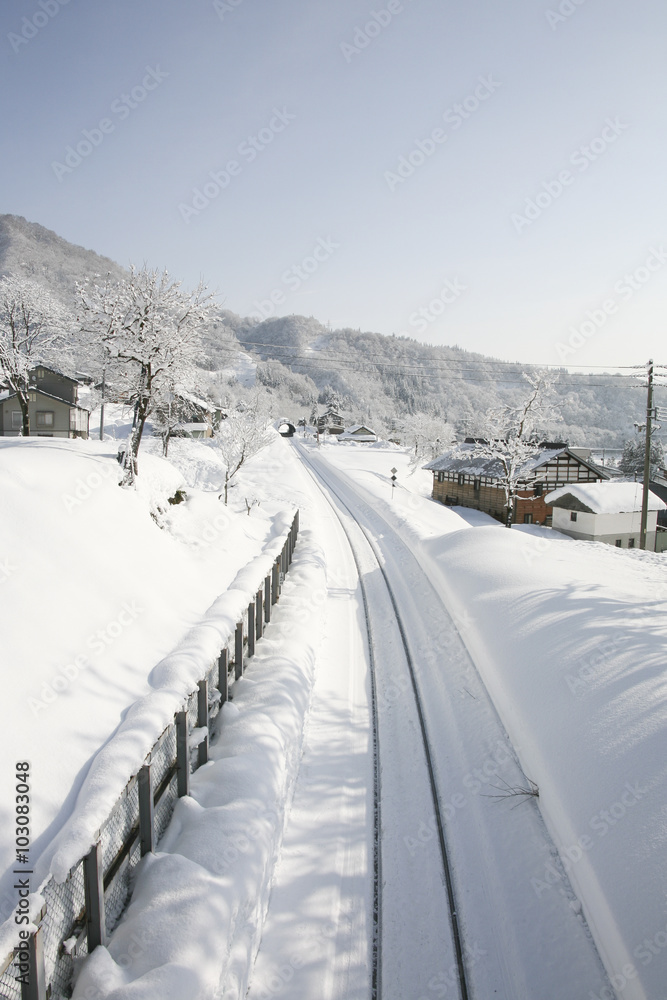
point(104, 377)
point(647, 456)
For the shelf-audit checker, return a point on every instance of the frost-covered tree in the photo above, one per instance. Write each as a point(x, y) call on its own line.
point(631, 462)
point(144, 332)
point(32, 329)
point(239, 437)
point(511, 434)
point(426, 438)
point(170, 411)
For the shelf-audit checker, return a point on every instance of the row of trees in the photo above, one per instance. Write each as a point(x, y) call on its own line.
point(138, 337)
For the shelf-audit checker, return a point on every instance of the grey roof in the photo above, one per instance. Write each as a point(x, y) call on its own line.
point(470, 464)
point(49, 395)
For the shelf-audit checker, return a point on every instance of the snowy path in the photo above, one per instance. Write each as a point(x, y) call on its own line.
point(516, 944)
point(316, 938)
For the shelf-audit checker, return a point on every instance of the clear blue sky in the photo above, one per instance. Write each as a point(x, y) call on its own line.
point(352, 101)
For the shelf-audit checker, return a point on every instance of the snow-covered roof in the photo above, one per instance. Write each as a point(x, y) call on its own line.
point(48, 395)
point(463, 459)
point(189, 397)
point(606, 498)
point(359, 429)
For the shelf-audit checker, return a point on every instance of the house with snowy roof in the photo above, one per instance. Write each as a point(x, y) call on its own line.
point(358, 432)
point(53, 407)
point(330, 422)
point(605, 512)
point(197, 417)
point(463, 478)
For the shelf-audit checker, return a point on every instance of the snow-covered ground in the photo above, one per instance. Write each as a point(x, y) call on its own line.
point(569, 639)
point(548, 668)
point(99, 586)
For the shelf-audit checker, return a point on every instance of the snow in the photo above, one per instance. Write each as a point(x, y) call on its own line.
point(608, 498)
point(550, 670)
point(104, 591)
point(463, 459)
point(569, 640)
point(194, 923)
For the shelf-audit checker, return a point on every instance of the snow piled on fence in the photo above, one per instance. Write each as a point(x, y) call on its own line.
point(100, 585)
point(195, 921)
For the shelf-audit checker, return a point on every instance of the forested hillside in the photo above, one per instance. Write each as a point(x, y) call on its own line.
point(298, 364)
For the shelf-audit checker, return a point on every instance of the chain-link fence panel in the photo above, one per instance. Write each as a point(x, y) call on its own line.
point(165, 808)
point(65, 920)
point(9, 988)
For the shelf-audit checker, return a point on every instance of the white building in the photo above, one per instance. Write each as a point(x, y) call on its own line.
point(605, 512)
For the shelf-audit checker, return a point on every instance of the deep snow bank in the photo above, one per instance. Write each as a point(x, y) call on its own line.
point(570, 640)
point(99, 584)
point(195, 920)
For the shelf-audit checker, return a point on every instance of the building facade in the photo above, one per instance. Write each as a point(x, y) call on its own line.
point(606, 512)
point(460, 479)
point(53, 408)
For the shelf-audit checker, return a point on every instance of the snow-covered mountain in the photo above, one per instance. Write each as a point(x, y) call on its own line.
point(381, 380)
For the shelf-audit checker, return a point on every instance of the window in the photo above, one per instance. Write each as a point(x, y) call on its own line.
point(631, 543)
point(527, 518)
point(619, 543)
point(477, 485)
point(40, 373)
point(32, 396)
point(441, 477)
point(539, 487)
point(45, 418)
point(573, 515)
point(17, 420)
point(461, 479)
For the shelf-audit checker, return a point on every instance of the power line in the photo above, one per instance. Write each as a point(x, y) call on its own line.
point(305, 364)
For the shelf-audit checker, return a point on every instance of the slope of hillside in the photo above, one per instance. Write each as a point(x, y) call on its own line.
point(379, 379)
point(100, 585)
point(43, 256)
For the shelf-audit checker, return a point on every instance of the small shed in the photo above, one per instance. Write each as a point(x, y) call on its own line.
point(605, 512)
point(358, 432)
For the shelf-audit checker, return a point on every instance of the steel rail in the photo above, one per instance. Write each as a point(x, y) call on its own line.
point(320, 478)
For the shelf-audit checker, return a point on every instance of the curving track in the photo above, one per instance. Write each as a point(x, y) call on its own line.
point(455, 914)
point(363, 548)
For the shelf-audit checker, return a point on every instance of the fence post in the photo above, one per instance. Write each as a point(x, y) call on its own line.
point(223, 675)
point(259, 617)
point(202, 720)
point(251, 629)
point(35, 987)
point(267, 599)
point(146, 810)
point(94, 889)
point(238, 651)
point(276, 581)
point(182, 754)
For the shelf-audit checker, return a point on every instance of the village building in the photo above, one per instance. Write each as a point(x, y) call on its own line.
point(197, 418)
point(605, 512)
point(330, 422)
point(53, 407)
point(463, 479)
point(358, 432)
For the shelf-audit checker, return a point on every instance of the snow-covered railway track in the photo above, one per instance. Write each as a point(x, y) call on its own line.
point(363, 547)
point(514, 941)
